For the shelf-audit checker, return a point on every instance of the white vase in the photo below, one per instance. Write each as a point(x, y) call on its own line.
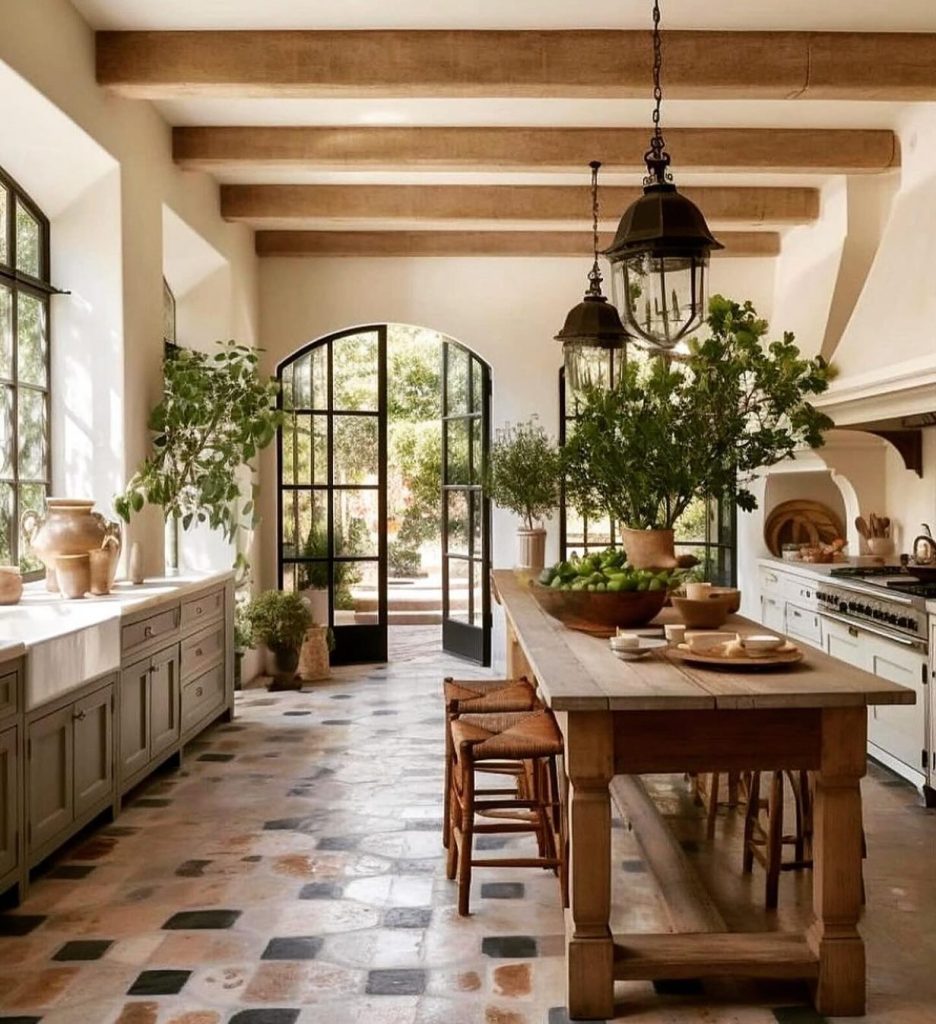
point(531, 550)
point(317, 599)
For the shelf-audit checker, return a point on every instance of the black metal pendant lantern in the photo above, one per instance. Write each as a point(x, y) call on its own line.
point(659, 257)
point(593, 337)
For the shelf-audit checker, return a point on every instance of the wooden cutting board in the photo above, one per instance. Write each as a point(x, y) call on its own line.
point(801, 522)
point(789, 654)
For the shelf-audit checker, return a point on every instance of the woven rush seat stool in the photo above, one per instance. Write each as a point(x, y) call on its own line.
point(532, 738)
point(483, 697)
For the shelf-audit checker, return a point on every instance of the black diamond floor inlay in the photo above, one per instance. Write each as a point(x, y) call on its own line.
point(339, 842)
point(272, 1015)
point(215, 757)
point(509, 947)
point(502, 891)
point(633, 867)
point(293, 947)
point(408, 917)
point(283, 824)
point(192, 868)
point(396, 982)
point(336, 721)
point(321, 891)
point(798, 1015)
point(201, 919)
point(560, 1015)
point(19, 924)
point(151, 801)
point(20, 1020)
point(159, 983)
point(83, 949)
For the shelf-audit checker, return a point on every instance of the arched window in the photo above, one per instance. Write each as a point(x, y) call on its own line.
point(25, 464)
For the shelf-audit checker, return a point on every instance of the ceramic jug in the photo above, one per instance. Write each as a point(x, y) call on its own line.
point(69, 527)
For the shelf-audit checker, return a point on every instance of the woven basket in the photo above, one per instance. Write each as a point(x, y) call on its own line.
point(313, 659)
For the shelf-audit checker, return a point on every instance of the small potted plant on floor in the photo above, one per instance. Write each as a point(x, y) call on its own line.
point(524, 476)
point(280, 620)
point(694, 425)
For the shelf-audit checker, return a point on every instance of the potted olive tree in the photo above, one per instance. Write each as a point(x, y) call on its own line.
point(524, 475)
point(694, 426)
point(280, 621)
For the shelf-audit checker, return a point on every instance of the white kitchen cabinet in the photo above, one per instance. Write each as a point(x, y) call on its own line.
point(773, 614)
point(803, 624)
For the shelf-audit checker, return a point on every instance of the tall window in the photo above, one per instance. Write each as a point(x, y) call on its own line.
point(25, 468)
point(707, 529)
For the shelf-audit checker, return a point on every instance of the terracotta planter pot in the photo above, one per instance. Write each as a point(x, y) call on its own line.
point(313, 658)
point(11, 584)
point(73, 575)
point(531, 550)
point(649, 549)
point(69, 527)
point(285, 663)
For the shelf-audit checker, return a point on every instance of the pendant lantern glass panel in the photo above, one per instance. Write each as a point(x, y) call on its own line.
point(662, 298)
point(590, 366)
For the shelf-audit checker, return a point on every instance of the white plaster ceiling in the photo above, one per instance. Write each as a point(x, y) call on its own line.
point(831, 15)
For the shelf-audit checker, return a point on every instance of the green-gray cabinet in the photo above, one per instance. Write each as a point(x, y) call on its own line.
point(9, 803)
point(150, 711)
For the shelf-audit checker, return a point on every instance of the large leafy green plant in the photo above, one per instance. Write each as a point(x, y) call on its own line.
point(216, 413)
point(698, 426)
point(525, 472)
point(278, 620)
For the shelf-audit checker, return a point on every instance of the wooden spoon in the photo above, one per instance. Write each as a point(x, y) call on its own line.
point(862, 527)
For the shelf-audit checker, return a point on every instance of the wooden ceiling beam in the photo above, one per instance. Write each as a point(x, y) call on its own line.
point(611, 63)
point(793, 150)
point(474, 243)
point(318, 205)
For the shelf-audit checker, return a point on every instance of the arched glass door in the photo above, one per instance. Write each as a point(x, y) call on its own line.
point(333, 487)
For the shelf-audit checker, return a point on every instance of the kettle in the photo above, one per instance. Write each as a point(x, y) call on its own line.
point(924, 548)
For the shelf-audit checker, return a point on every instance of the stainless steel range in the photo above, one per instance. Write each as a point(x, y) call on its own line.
point(883, 601)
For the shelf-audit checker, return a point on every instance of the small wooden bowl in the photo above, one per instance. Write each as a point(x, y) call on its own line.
point(709, 613)
point(725, 592)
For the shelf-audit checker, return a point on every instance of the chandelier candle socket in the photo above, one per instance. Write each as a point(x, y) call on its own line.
point(659, 257)
point(593, 338)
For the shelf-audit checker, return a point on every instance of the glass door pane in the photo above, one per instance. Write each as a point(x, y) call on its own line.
point(466, 612)
point(333, 500)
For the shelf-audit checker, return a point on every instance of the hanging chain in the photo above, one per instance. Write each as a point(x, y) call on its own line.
point(594, 275)
point(656, 157)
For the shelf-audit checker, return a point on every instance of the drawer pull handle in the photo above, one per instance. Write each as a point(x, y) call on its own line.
point(198, 691)
point(198, 652)
point(151, 669)
point(147, 631)
point(79, 716)
point(198, 609)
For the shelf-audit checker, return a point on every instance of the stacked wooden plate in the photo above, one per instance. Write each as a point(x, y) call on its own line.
point(801, 522)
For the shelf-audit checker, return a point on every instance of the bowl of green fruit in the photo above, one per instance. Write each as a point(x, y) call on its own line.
point(596, 593)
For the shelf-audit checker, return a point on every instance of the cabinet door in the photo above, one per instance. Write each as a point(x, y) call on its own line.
point(94, 751)
point(899, 729)
point(134, 753)
point(164, 700)
point(9, 799)
point(772, 614)
point(845, 643)
point(50, 752)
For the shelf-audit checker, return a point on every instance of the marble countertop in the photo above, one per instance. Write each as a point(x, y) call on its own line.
point(42, 616)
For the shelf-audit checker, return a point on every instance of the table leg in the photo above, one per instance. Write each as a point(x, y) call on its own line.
point(834, 937)
point(589, 945)
point(515, 661)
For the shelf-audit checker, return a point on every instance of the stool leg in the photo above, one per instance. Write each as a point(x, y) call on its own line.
point(447, 792)
point(454, 811)
point(466, 831)
point(734, 786)
point(714, 787)
point(774, 840)
point(750, 819)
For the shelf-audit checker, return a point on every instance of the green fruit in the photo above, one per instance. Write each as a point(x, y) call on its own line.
point(654, 585)
point(556, 583)
point(546, 577)
point(616, 585)
point(578, 585)
point(642, 585)
point(601, 587)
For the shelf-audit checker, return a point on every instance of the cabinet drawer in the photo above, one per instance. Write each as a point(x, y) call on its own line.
point(202, 695)
point(804, 624)
point(9, 694)
point(770, 581)
point(799, 591)
point(202, 609)
point(200, 650)
point(138, 634)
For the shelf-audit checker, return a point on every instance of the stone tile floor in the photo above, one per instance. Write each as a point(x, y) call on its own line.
point(291, 872)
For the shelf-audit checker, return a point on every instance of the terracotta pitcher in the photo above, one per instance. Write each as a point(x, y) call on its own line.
point(69, 527)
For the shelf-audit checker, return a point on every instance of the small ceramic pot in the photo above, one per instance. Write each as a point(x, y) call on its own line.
point(102, 561)
point(285, 662)
point(880, 546)
point(69, 527)
point(73, 573)
point(531, 550)
point(11, 584)
point(649, 549)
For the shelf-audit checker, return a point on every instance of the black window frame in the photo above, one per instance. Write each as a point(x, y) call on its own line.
point(19, 282)
point(718, 551)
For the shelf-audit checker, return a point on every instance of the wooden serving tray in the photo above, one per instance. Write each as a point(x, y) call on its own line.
point(789, 654)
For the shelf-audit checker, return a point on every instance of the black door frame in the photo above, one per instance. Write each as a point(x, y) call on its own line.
point(466, 639)
point(366, 642)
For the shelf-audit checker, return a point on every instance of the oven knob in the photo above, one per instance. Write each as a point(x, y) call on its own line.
point(852, 605)
point(892, 619)
point(878, 614)
point(843, 607)
point(867, 610)
point(903, 622)
point(913, 624)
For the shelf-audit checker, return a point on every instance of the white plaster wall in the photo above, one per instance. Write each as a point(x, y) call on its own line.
point(51, 47)
point(507, 310)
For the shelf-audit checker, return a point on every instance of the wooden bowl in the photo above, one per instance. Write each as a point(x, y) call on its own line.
point(709, 613)
point(729, 592)
point(599, 613)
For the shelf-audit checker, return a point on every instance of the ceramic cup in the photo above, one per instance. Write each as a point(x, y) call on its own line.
point(698, 591)
point(100, 560)
point(625, 642)
point(675, 632)
point(73, 573)
point(11, 584)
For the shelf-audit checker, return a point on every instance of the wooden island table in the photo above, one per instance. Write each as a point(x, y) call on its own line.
point(657, 716)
